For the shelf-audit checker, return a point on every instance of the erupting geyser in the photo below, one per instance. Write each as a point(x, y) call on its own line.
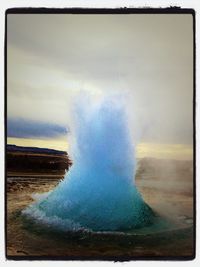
point(99, 192)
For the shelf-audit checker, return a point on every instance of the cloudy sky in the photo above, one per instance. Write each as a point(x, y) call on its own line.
point(147, 58)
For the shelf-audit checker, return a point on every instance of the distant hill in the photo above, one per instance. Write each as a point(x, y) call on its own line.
point(14, 148)
point(34, 160)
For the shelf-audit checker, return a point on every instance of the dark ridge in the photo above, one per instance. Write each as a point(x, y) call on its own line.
point(34, 160)
point(14, 148)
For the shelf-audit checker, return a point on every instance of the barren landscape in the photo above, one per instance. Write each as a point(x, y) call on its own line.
point(166, 185)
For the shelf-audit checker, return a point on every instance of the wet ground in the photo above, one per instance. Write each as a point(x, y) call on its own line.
point(166, 186)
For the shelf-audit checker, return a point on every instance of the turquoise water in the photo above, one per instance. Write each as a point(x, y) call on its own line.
point(99, 192)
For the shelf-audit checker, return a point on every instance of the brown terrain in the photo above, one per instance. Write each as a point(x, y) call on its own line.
point(166, 185)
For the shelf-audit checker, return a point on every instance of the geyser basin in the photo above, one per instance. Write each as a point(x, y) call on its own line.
point(99, 192)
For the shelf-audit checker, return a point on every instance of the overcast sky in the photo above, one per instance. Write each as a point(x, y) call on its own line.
point(147, 57)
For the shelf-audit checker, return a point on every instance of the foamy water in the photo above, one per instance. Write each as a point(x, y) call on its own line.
point(99, 192)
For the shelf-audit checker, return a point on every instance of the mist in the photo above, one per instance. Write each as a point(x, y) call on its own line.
point(52, 58)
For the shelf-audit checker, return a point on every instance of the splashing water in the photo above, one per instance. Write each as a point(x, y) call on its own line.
point(99, 192)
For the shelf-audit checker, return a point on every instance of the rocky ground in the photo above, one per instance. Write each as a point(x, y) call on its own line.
point(167, 186)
